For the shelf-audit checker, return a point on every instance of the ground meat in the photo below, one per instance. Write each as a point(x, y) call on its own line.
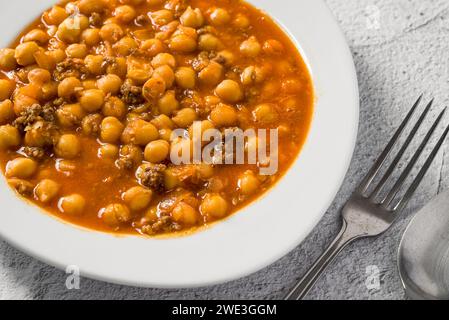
point(142, 20)
point(23, 187)
point(34, 113)
point(152, 176)
point(130, 157)
point(34, 152)
point(165, 223)
point(70, 67)
point(96, 20)
point(131, 94)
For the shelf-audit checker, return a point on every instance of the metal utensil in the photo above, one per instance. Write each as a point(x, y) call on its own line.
point(423, 257)
point(368, 214)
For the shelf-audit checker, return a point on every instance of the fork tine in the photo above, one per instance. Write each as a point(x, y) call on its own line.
point(386, 202)
point(401, 152)
point(366, 182)
point(403, 202)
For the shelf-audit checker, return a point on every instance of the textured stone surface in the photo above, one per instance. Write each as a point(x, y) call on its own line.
point(400, 49)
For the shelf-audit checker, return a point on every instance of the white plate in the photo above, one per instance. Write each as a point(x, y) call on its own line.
point(253, 238)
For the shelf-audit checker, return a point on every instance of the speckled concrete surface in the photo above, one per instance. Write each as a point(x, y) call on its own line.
point(401, 48)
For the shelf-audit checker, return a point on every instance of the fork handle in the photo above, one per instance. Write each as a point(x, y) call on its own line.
point(306, 283)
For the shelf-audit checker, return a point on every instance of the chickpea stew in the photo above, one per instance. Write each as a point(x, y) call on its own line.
point(91, 92)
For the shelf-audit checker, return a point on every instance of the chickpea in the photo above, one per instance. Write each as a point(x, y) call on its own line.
point(185, 117)
point(204, 126)
point(185, 77)
point(31, 90)
point(205, 171)
point(68, 87)
point(152, 47)
point(108, 151)
point(39, 76)
point(24, 54)
point(220, 17)
point(6, 112)
point(248, 183)
point(265, 113)
point(9, 137)
point(183, 44)
point(162, 17)
point(92, 100)
point(241, 21)
point(125, 14)
point(69, 31)
point(214, 206)
point(46, 190)
point(111, 32)
point(162, 59)
point(114, 107)
point(94, 64)
point(68, 146)
point(139, 132)
point(273, 47)
point(163, 122)
point(37, 35)
point(91, 124)
point(192, 18)
point(212, 74)
point(252, 75)
point(73, 204)
point(224, 116)
point(57, 55)
point(171, 179)
point(131, 153)
point(211, 101)
point(70, 115)
point(39, 134)
point(7, 87)
point(110, 84)
point(166, 73)
point(21, 168)
point(91, 37)
point(139, 76)
point(209, 42)
point(168, 103)
point(137, 198)
point(185, 214)
point(77, 50)
point(88, 7)
point(157, 151)
point(118, 68)
point(125, 46)
point(89, 84)
point(225, 57)
point(49, 90)
point(21, 102)
point(111, 130)
point(115, 214)
point(229, 90)
point(154, 89)
point(7, 59)
point(165, 134)
point(250, 48)
point(55, 16)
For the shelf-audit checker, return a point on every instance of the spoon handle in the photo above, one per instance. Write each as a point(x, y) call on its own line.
point(344, 237)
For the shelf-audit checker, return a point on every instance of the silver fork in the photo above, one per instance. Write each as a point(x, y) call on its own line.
point(364, 215)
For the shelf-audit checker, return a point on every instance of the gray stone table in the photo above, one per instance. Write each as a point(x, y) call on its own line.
point(400, 48)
